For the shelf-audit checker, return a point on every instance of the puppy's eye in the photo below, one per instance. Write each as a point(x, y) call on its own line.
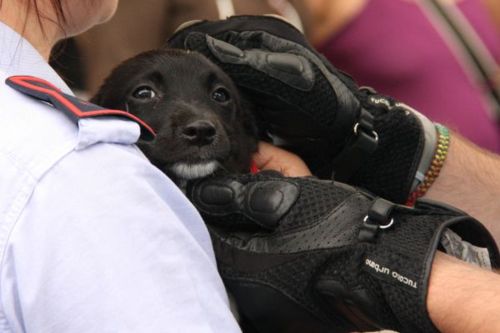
point(144, 92)
point(221, 95)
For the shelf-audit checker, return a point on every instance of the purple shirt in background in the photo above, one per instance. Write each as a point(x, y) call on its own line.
point(392, 46)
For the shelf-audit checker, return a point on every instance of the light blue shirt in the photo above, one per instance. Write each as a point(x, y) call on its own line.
point(93, 238)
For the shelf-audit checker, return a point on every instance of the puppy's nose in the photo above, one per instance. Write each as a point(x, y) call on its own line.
point(200, 132)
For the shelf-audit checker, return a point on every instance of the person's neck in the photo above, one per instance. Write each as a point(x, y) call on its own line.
point(13, 13)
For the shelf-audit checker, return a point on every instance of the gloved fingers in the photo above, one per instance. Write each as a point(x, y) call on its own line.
point(275, 57)
point(295, 64)
point(275, 46)
point(241, 40)
point(240, 202)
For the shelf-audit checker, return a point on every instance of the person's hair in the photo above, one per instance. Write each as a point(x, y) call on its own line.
point(57, 6)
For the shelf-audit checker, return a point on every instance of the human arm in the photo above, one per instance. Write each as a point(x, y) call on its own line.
point(463, 298)
point(470, 180)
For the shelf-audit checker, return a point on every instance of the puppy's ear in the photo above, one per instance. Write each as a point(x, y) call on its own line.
point(247, 115)
point(98, 98)
point(108, 96)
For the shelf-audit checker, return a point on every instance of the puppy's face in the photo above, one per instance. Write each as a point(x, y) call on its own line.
point(201, 122)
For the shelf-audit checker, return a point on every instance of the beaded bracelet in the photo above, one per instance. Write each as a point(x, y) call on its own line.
point(443, 144)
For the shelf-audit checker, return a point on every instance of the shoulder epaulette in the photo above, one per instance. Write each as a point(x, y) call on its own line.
point(72, 106)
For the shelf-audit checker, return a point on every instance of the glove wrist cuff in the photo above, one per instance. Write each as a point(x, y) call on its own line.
point(429, 146)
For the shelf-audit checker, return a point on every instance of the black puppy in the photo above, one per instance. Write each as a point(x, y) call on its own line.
point(202, 123)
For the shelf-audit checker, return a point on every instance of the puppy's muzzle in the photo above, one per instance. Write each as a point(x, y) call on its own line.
point(199, 132)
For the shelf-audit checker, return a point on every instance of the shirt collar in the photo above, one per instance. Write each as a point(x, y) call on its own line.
point(19, 57)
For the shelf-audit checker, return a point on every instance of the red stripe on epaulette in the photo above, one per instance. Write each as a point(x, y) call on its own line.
point(72, 106)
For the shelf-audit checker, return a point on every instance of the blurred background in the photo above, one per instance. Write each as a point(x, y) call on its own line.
point(439, 56)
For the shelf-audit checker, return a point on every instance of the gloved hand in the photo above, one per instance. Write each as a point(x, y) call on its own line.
point(307, 106)
point(309, 255)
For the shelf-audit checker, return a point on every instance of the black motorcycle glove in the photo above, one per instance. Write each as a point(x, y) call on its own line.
point(309, 255)
point(307, 106)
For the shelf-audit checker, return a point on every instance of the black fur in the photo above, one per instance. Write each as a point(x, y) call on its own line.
point(188, 110)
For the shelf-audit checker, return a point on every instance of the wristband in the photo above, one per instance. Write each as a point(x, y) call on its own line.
point(441, 151)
